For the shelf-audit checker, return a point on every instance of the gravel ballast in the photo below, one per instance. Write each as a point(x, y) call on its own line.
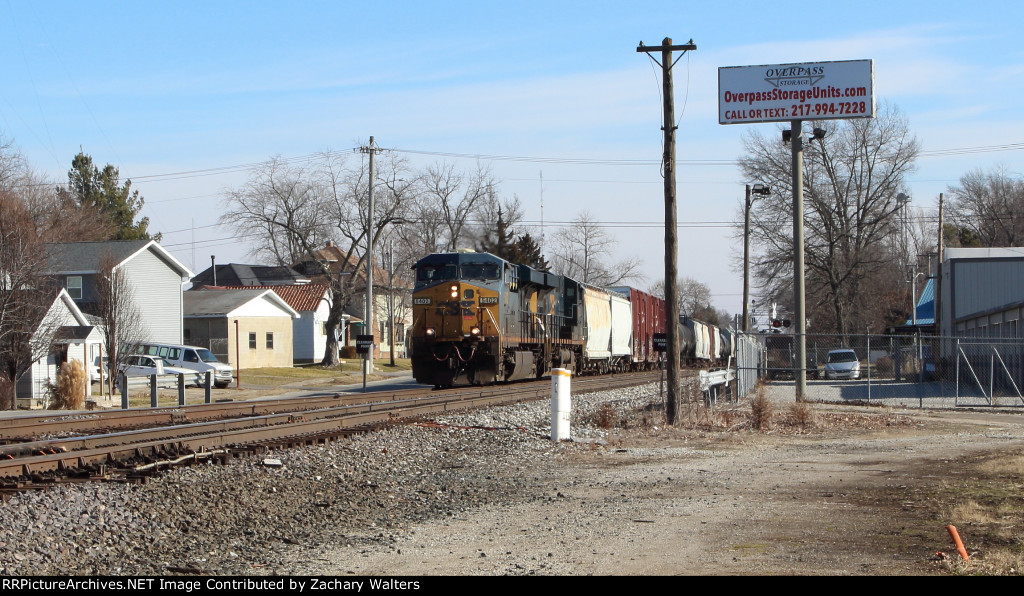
point(248, 516)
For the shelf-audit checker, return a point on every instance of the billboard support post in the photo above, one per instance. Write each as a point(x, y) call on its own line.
point(791, 93)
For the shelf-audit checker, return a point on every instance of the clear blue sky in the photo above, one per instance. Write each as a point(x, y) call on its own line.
point(162, 88)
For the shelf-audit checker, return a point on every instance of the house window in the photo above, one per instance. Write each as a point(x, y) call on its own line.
point(270, 340)
point(252, 341)
point(74, 287)
point(399, 332)
point(323, 328)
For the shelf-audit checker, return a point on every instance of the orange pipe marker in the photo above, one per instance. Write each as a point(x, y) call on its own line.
point(959, 545)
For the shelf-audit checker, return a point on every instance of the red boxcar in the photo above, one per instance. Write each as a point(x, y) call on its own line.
point(648, 319)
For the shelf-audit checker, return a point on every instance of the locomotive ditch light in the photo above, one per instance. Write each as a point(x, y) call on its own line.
point(431, 332)
point(474, 331)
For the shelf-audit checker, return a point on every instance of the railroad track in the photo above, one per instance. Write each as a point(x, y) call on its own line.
point(130, 444)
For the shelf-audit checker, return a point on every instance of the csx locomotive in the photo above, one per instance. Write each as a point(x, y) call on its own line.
point(479, 318)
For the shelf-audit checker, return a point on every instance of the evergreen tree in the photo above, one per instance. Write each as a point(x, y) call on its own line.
point(527, 252)
point(498, 241)
point(102, 189)
point(502, 242)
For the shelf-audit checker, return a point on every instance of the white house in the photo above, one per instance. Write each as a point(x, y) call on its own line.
point(155, 276)
point(71, 337)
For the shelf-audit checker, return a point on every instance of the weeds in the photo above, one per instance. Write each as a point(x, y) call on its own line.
point(802, 414)
point(761, 410)
point(605, 417)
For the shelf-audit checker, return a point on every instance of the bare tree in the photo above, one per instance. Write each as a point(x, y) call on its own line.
point(12, 166)
point(989, 206)
point(455, 199)
point(122, 325)
point(585, 252)
point(694, 299)
point(851, 180)
point(296, 210)
point(26, 296)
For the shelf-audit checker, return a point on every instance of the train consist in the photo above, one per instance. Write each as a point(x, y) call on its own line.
point(479, 319)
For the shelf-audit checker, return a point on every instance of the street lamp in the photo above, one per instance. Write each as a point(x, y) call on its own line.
point(752, 192)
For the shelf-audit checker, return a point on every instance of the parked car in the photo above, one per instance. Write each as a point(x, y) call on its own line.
point(139, 367)
point(94, 369)
point(193, 358)
point(842, 364)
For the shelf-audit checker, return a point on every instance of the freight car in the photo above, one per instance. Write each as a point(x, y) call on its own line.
point(478, 318)
point(703, 343)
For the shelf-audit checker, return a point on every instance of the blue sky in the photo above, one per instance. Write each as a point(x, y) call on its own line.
point(162, 88)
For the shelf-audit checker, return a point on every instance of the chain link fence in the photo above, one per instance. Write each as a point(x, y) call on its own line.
point(905, 370)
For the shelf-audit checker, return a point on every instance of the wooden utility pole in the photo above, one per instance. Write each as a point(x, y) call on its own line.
point(372, 149)
point(671, 242)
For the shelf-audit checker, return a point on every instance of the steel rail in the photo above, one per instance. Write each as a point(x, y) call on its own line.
point(29, 460)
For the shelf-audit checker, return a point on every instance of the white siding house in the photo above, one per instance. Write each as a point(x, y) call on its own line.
point(64, 334)
point(155, 276)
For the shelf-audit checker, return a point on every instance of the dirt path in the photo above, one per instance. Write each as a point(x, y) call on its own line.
point(663, 502)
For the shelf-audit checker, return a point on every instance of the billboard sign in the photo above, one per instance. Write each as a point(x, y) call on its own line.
point(804, 91)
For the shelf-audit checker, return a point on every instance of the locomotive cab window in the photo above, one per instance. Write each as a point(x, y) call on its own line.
point(437, 272)
point(481, 271)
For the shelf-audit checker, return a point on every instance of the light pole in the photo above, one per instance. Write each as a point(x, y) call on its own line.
point(391, 291)
point(749, 198)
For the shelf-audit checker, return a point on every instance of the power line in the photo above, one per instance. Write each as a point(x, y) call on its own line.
point(230, 169)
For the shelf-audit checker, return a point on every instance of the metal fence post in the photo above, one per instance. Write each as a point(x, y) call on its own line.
point(124, 391)
point(956, 399)
point(153, 401)
point(209, 387)
point(869, 366)
point(181, 389)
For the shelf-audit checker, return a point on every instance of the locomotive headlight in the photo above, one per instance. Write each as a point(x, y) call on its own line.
point(454, 292)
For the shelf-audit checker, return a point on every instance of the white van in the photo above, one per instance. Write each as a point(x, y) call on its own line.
point(193, 358)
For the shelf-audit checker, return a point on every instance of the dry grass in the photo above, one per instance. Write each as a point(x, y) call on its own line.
point(761, 410)
point(605, 417)
point(801, 414)
point(69, 393)
point(987, 507)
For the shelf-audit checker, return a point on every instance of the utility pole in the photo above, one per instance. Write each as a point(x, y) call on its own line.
point(798, 260)
point(748, 199)
point(372, 150)
point(671, 241)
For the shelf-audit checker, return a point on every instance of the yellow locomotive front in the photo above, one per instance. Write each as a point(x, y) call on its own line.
point(457, 317)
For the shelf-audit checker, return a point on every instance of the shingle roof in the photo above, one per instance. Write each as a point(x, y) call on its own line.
point(89, 257)
point(221, 302)
point(238, 274)
point(301, 298)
